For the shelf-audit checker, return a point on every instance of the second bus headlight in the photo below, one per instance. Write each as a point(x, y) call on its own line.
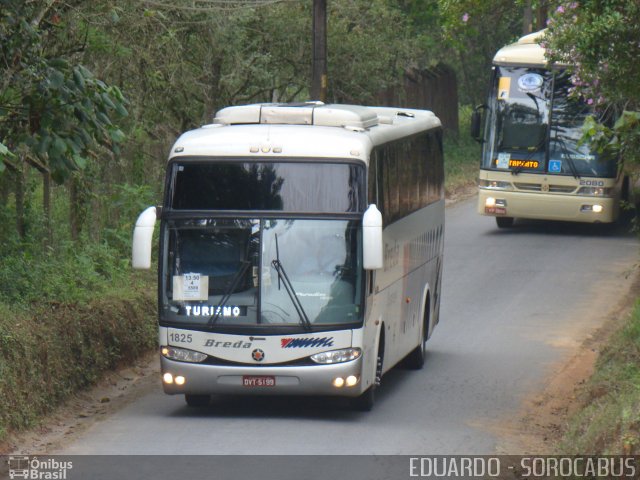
point(337, 356)
point(183, 355)
point(595, 191)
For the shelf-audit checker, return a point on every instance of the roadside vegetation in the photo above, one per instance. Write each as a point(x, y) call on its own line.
point(608, 421)
point(461, 155)
point(602, 40)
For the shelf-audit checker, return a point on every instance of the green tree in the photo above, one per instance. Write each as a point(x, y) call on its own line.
point(472, 33)
point(600, 41)
point(54, 113)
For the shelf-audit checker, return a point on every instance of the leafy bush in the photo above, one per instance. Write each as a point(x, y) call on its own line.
point(54, 350)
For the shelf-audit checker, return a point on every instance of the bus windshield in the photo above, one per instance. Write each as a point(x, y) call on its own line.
point(263, 272)
point(534, 126)
point(566, 154)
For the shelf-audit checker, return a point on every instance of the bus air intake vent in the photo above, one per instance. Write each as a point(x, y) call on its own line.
point(537, 187)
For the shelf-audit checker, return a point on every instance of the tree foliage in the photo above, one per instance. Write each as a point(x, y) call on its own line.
point(600, 41)
point(52, 109)
point(67, 65)
point(472, 32)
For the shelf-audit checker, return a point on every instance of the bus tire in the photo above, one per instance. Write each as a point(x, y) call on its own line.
point(415, 359)
point(197, 400)
point(364, 403)
point(504, 222)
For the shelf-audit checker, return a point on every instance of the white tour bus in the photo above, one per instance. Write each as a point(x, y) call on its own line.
point(300, 250)
point(533, 165)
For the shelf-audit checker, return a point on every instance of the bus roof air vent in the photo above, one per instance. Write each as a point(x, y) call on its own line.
point(287, 114)
point(345, 116)
point(308, 113)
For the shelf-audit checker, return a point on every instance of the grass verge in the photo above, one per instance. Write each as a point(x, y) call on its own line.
point(608, 421)
point(50, 351)
point(462, 156)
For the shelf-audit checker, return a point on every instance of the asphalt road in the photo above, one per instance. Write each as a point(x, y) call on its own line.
point(515, 304)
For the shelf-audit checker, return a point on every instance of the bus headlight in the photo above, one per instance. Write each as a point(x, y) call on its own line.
point(595, 191)
point(592, 208)
point(183, 355)
point(337, 356)
point(494, 184)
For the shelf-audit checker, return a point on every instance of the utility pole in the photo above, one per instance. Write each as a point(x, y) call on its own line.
point(319, 71)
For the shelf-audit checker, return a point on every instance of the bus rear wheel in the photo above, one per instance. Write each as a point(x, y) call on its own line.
point(504, 222)
point(197, 400)
point(415, 359)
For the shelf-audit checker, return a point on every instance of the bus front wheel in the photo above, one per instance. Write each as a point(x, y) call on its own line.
point(197, 400)
point(504, 222)
point(364, 403)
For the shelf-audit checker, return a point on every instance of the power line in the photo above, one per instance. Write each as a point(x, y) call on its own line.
point(211, 5)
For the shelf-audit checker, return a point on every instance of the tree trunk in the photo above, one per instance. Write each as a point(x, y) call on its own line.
point(74, 220)
point(527, 19)
point(46, 206)
point(4, 189)
point(20, 198)
point(542, 14)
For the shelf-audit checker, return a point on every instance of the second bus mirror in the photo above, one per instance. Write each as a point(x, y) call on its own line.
point(142, 239)
point(476, 121)
point(372, 244)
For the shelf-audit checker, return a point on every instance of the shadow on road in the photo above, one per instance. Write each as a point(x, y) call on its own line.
point(296, 407)
point(549, 227)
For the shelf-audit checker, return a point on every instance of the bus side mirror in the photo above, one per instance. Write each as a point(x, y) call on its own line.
point(142, 239)
point(372, 244)
point(476, 122)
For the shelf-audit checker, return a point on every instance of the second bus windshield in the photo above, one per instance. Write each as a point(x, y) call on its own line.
point(534, 126)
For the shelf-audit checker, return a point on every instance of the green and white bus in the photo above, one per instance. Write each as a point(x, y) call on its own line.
point(300, 250)
point(533, 165)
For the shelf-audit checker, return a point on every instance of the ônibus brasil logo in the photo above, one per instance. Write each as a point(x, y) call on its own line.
point(306, 342)
point(38, 469)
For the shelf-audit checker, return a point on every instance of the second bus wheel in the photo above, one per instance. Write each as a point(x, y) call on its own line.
point(504, 222)
point(197, 400)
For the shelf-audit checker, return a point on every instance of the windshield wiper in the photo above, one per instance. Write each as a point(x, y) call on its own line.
point(227, 294)
point(567, 153)
point(288, 286)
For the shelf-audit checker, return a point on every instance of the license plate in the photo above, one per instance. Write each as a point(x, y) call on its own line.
point(258, 381)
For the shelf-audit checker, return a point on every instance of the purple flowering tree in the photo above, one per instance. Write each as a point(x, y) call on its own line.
point(600, 40)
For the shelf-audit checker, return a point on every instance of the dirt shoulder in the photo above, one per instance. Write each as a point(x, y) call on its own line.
point(542, 421)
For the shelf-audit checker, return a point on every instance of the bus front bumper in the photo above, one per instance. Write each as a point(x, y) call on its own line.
point(547, 206)
point(202, 379)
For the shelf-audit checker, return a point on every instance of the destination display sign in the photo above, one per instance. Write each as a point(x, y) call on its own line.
point(514, 163)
